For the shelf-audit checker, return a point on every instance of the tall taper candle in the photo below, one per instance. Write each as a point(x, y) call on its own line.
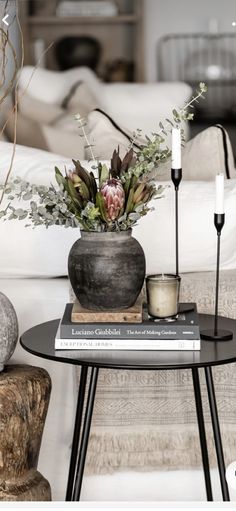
point(176, 149)
point(219, 205)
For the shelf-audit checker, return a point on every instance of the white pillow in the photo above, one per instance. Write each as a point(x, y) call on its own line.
point(52, 86)
point(197, 234)
point(143, 106)
point(34, 165)
point(105, 136)
point(205, 155)
point(209, 153)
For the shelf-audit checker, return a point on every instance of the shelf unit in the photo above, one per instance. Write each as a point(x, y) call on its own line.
point(121, 36)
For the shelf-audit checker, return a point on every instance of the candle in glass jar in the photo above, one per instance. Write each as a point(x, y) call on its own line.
point(163, 295)
point(219, 198)
point(176, 149)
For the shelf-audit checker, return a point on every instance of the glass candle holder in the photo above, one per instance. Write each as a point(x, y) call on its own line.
point(163, 295)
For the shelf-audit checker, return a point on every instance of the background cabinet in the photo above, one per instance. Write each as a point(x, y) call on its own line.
point(120, 36)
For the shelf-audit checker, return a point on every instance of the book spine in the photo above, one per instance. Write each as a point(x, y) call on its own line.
point(123, 344)
point(142, 332)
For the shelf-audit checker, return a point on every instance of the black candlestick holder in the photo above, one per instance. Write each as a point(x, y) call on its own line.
point(176, 177)
point(217, 334)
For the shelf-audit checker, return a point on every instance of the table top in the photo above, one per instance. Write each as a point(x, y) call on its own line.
point(39, 341)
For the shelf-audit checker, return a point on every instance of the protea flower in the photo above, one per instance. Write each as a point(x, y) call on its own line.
point(114, 197)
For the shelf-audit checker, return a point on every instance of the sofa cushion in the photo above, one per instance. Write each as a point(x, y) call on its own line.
point(142, 106)
point(37, 110)
point(63, 139)
point(52, 86)
point(205, 155)
point(105, 135)
point(80, 99)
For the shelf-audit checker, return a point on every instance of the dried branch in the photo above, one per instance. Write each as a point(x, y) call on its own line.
point(9, 89)
point(17, 96)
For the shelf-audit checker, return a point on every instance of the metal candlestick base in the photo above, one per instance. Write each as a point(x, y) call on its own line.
point(221, 335)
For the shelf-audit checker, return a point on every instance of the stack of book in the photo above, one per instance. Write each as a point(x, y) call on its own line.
point(181, 333)
point(85, 8)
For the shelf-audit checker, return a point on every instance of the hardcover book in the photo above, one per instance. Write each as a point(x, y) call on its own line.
point(127, 344)
point(184, 327)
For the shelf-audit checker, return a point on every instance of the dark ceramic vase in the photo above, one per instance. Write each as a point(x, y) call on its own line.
point(106, 270)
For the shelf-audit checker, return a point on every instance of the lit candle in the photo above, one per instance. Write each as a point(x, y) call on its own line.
point(176, 149)
point(219, 206)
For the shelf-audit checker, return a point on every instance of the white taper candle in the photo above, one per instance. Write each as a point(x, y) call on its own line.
point(219, 205)
point(176, 149)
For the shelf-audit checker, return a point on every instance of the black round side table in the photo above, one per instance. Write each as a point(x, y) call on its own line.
point(39, 341)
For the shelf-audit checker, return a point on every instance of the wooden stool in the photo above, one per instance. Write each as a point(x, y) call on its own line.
point(24, 398)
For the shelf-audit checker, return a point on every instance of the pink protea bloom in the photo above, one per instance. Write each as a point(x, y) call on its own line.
point(114, 196)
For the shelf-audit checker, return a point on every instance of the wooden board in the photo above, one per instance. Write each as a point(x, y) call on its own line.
point(131, 315)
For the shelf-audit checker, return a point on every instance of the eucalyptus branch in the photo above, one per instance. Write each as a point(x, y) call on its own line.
point(199, 93)
point(82, 124)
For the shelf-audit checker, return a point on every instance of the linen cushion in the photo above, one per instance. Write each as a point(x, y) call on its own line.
point(142, 106)
point(37, 110)
point(58, 138)
point(52, 86)
point(105, 135)
point(207, 154)
point(80, 99)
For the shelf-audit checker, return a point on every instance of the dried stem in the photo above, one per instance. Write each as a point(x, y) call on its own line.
point(17, 96)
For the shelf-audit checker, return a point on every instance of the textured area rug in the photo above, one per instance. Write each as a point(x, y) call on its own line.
point(146, 420)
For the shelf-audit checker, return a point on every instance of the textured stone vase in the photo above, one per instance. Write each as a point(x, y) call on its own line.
point(8, 330)
point(106, 270)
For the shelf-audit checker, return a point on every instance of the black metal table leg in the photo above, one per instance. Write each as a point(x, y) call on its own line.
point(76, 435)
point(85, 434)
point(202, 433)
point(216, 431)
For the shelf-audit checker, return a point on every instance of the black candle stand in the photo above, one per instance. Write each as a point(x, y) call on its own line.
point(217, 334)
point(176, 177)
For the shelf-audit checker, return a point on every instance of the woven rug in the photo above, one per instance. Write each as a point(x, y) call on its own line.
point(146, 420)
